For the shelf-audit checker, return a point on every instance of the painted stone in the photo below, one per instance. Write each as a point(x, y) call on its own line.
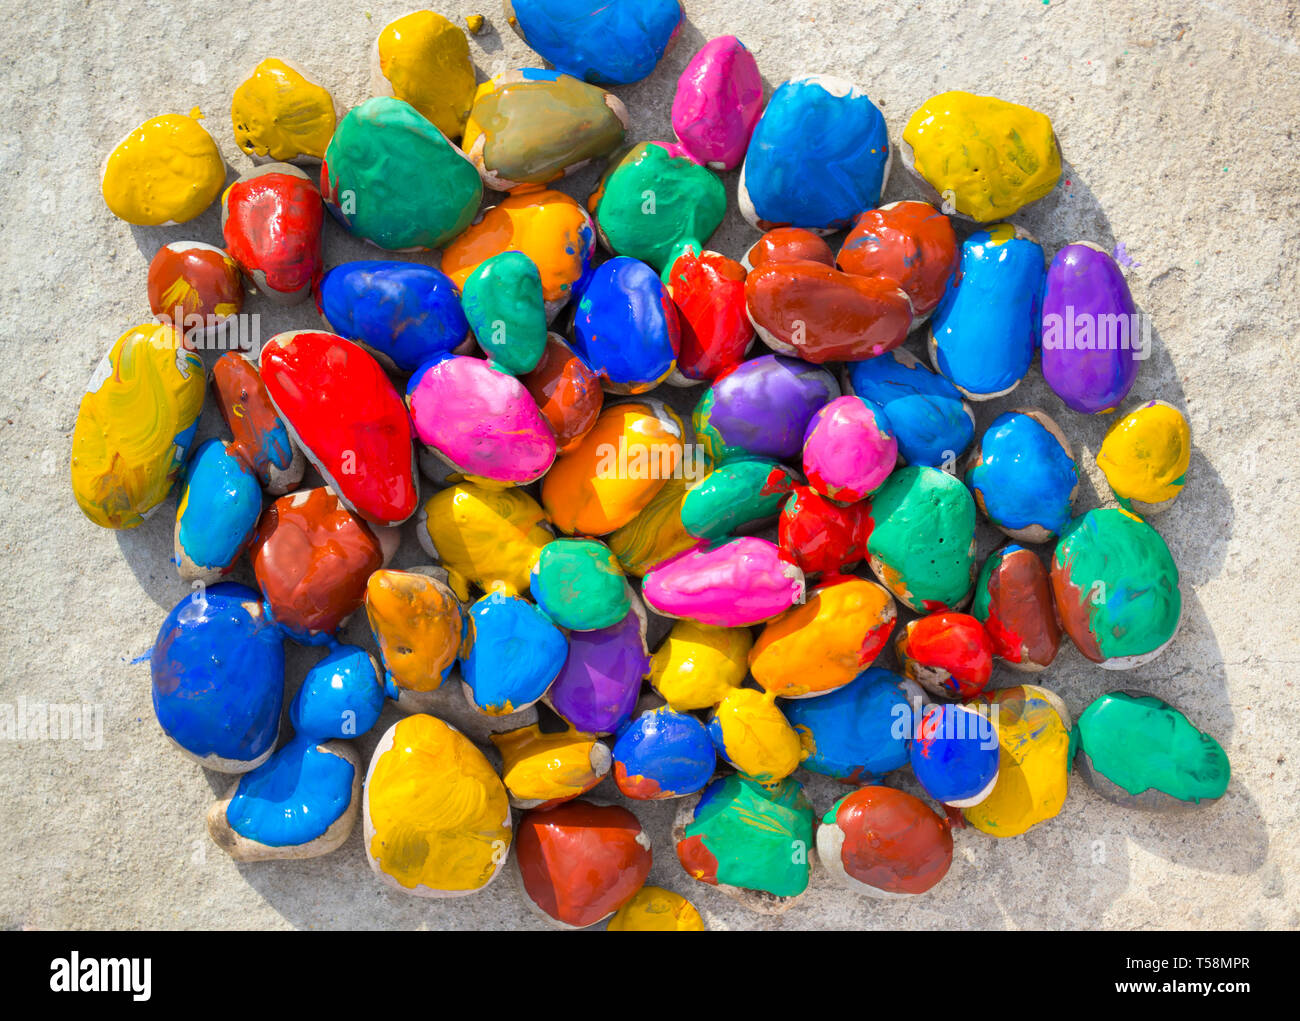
point(579, 862)
point(936, 574)
point(788, 244)
point(418, 626)
point(822, 536)
point(818, 157)
point(663, 754)
point(1116, 588)
point(822, 315)
point(708, 290)
point(911, 242)
point(984, 334)
point(217, 672)
point(194, 286)
point(579, 584)
point(340, 697)
point(515, 655)
point(859, 732)
point(220, 504)
point(497, 436)
point(168, 170)
point(436, 816)
point(982, 157)
point(548, 226)
point(423, 59)
point(849, 450)
point(618, 42)
point(259, 436)
point(1092, 335)
point(366, 457)
point(649, 203)
point(1023, 475)
point(762, 409)
point(954, 754)
point(625, 327)
point(752, 841)
point(730, 584)
point(135, 425)
point(485, 537)
point(948, 654)
point(312, 557)
point(750, 731)
point(281, 115)
point(504, 305)
point(884, 843)
point(717, 104)
point(391, 178)
point(598, 686)
point(740, 496)
point(1137, 750)
point(1145, 457)
point(301, 803)
point(567, 393)
point(619, 466)
point(824, 643)
point(654, 909)
point(1033, 761)
point(401, 312)
point(272, 219)
point(926, 413)
point(656, 533)
point(1013, 600)
point(529, 126)
point(544, 770)
point(697, 666)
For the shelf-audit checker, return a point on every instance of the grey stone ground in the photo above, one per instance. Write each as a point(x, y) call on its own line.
point(1177, 122)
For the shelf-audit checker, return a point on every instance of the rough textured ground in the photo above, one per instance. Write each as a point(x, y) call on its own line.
point(1176, 121)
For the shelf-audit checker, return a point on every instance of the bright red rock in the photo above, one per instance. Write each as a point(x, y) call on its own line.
point(709, 292)
point(949, 654)
point(271, 219)
point(908, 242)
point(348, 418)
point(822, 536)
point(888, 840)
point(789, 244)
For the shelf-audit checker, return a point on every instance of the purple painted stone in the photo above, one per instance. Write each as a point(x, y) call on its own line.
point(1087, 302)
point(598, 687)
point(761, 408)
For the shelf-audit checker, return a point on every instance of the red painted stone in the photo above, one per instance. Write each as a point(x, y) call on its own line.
point(789, 244)
point(260, 439)
point(1021, 614)
point(947, 653)
point(709, 292)
point(189, 278)
point(567, 393)
point(908, 242)
point(582, 862)
point(822, 536)
point(348, 418)
point(272, 219)
point(892, 841)
point(312, 557)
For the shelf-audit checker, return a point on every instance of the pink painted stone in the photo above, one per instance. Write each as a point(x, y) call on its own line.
point(848, 450)
point(738, 583)
point(718, 102)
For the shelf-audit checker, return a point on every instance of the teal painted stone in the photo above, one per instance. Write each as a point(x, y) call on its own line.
point(506, 309)
point(737, 498)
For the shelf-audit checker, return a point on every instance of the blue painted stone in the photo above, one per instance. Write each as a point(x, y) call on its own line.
point(341, 696)
point(615, 42)
point(663, 754)
point(626, 328)
point(517, 653)
point(932, 423)
point(859, 732)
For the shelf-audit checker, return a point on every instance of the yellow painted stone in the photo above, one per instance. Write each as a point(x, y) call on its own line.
point(437, 817)
point(418, 625)
point(278, 113)
point(167, 170)
point(1033, 761)
point(656, 533)
point(1146, 454)
point(985, 155)
point(654, 909)
point(698, 665)
point(488, 537)
point(756, 737)
point(826, 642)
point(135, 425)
point(425, 59)
point(543, 770)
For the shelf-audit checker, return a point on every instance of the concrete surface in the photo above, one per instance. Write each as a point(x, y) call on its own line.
point(1177, 122)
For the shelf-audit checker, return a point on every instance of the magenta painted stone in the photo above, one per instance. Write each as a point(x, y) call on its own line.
point(733, 584)
point(719, 100)
point(849, 450)
point(598, 686)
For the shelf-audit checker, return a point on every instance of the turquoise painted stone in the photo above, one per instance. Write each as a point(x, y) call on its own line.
point(738, 497)
point(506, 309)
point(580, 585)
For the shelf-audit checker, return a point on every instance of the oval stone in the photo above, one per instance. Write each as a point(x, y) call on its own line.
point(271, 219)
point(625, 327)
point(954, 754)
point(340, 697)
point(731, 584)
point(598, 686)
point(884, 843)
point(654, 909)
point(503, 302)
point(618, 41)
point(515, 655)
point(697, 665)
point(424, 59)
point(848, 450)
point(418, 626)
point(190, 281)
point(822, 536)
point(948, 654)
point(750, 731)
point(717, 104)
point(545, 770)
point(259, 436)
point(1023, 475)
point(911, 242)
point(1145, 457)
point(1013, 600)
point(219, 507)
point(279, 114)
point(579, 584)
point(737, 497)
point(708, 290)
point(662, 754)
point(568, 394)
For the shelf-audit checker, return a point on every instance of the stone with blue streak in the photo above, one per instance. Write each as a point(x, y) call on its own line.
point(220, 503)
point(663, 754)
point(615, 42)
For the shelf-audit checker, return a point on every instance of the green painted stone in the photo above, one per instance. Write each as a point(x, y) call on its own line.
point(736, 498)
point(506, 309)
point(1116, 588)
point(580, 585)
point(390, 177)
point(922, 545)
point(1136, 749)
point(749, 837)
point(649, 204)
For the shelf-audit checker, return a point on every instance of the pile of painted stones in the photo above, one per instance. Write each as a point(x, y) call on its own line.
point(562, 505)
